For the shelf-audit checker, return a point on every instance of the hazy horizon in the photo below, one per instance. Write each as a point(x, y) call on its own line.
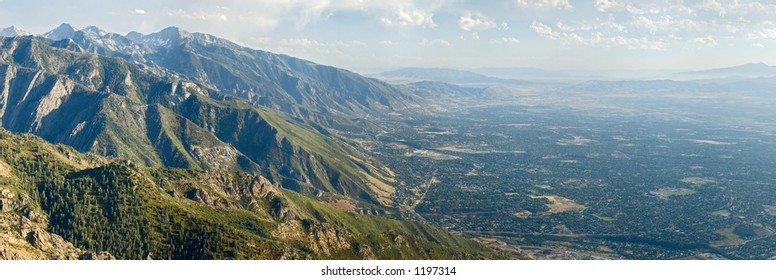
point(376, 36)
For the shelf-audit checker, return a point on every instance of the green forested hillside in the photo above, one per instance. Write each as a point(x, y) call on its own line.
point(99, 204)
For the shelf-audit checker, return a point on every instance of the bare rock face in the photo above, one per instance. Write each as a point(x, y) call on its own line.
point(6, 200)
point(261, 187)
point(238, 186)
point(290, 231)
point(96, 256)
point(215, 157)
point(53, 246)
point(281, 210)
point(200, 195)
point(5, 170)
point(323, 239)
point(326, 239)
point(24, 233)
point(31, 241)
point(242, 191)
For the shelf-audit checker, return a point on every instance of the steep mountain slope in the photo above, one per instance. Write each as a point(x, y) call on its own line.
point(58, 203)
point(23, 224)
point(111, 107)
point(268, 79)
point(327, 95)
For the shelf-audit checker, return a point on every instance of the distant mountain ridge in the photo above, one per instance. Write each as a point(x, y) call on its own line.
point(529, 76)
point(445, 75)
point(524, 73)
point(749, 70)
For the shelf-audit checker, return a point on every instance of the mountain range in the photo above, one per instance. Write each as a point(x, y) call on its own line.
point(301, 88)
point(112, 107)
point(220, 146)
point(160, 71)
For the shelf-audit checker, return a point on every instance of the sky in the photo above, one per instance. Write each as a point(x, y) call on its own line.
point(370, 36)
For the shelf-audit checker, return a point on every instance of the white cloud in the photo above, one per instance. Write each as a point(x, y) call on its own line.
point(301, 42)
point(720, 8)
point(399, 13)
point(707, 41)
point(541, 29)
point(606, 5)
point(559, 4)
point(738, 7)
point(596, 38)
point(758, 45)
point(762, 33)
point(661, 24)
point(300, 13)
point(477, 21)
point(436, 42)
point(309, 43)
point(505, 40)
point(351, 44)
point(261, 40)
point(628, 42)
point(408, 17)
point(139, 11)
point(597, 25)
point(198, 15)
point(388, 43)
point(647, 7)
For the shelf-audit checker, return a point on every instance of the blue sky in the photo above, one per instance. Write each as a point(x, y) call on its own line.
point(370, 36)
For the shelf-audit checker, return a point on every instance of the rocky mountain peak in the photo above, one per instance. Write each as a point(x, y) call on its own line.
point(63, 31)
point(165, 37)
point(134, 35)
point(13, 31)
point(94, 31)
